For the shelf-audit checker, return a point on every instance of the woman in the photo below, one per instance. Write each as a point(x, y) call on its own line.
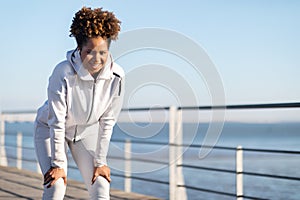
point(85, 95)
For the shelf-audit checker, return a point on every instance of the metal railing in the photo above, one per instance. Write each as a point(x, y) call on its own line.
point(177, 187)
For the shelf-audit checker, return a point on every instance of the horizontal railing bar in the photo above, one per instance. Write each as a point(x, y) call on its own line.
point(20, 147)
point(272, 176)
point(15, 135)
point(23, 159)
point(111, 157)
point(208, 168)
point(245, 106)
point(218, 192)
point(150, 161)
point(207, 190)
point(141, 179)
point(145, 109)
point(272, 151)
point(72, 167)
point(252, 197)
point(244, 149)
point(200, 146)
point(141, 142)
point(138, 159)
point(206, 146)
point(241, 106)
point(13, 112)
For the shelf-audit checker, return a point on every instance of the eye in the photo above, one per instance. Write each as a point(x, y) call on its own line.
point(102, 53)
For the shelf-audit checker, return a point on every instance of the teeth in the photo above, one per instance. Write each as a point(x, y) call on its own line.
point(95, 65)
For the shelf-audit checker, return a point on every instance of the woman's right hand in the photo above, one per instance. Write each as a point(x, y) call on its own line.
point(53, 174)
point(103, 171)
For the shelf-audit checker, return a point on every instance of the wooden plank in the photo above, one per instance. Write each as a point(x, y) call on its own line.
point(22, 184)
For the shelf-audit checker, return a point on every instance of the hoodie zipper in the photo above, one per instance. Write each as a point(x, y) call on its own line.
point(93, 98)
point(75, 134)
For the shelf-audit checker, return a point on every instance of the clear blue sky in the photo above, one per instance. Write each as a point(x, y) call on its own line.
point(254, 44)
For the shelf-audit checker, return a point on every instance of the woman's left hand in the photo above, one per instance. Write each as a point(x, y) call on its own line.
point(103, 171)
point(53, 174)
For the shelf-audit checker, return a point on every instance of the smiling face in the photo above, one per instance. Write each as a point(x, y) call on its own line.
point(94, 54)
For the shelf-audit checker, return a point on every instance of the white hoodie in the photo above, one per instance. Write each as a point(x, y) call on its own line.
point(80, 107)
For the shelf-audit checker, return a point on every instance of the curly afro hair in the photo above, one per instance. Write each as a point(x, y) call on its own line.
point(89, 23)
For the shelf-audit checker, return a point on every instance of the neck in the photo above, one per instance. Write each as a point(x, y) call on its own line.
point(95, 75)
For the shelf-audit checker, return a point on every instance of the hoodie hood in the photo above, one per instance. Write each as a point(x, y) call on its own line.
point(74, 59)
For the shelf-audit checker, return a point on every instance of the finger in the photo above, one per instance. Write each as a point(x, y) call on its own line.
point(47, 174)
point(94, 179)
point(65, 180)
point(49, 183)
point(47, 180)
point(107, 177)
point(49, 186)
point(52, 183)
point(104, 176)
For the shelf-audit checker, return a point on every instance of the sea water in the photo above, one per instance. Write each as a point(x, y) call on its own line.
point(274, 136)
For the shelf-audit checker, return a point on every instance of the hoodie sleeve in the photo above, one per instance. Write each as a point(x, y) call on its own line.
point(107, 122)
point(57, 116)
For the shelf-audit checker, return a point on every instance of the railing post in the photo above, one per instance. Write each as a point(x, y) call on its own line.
point(127, 155)
point(172, 153)
point(38, 168)
point(180, 191)
point(239, 173)
point(19, 150)
point(3, 158)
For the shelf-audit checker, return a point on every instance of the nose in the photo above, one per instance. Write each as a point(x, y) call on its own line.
point(97, 58)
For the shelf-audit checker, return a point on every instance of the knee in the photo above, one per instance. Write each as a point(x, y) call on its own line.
point(57, 191)
point(100, 189)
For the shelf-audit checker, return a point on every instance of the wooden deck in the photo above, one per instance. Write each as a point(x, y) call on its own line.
point(21, 184)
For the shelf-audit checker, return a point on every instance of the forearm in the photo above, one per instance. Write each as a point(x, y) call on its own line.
point(57, 134)
point(56, 121)
point(57, 140)
point(107, 122)
point(103, 145)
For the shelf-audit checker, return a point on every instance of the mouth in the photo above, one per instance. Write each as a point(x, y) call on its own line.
point(96, 65)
